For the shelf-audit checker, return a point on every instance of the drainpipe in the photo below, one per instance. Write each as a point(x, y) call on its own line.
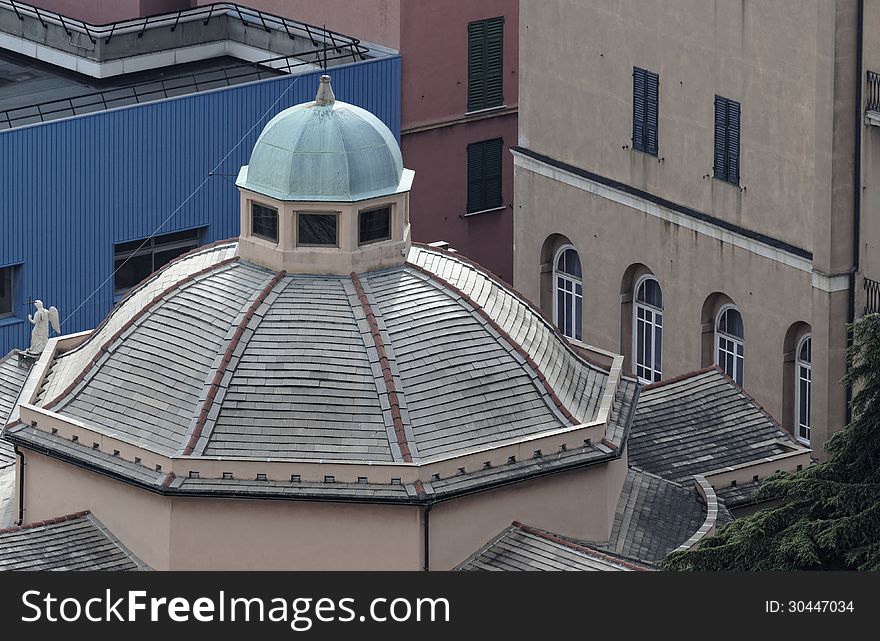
point(857, 197)
point(427, 536)
point(21, 466)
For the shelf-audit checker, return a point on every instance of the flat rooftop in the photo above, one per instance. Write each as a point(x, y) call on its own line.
point(32, 91)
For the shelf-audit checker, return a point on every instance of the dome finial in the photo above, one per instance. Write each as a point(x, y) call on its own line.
point(325, 97)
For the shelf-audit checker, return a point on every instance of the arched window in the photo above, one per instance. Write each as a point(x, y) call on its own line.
point(729, 343)
point(568, 291)
point(803, 389)
point(648, 329)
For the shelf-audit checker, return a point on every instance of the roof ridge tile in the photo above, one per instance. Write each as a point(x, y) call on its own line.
point(231, 346)
point(407, 449)
point(38, 524)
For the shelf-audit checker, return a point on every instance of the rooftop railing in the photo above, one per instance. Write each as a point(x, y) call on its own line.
point(151, 90)
point(320, 37)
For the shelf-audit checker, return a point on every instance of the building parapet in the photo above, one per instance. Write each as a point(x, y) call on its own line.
point(222, 28)
point(586, 436)
point(793, 461)
point(707, 493)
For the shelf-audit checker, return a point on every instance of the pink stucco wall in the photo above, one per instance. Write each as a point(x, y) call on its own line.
point(434, 44)
point(373, 20)
point(434, 48)
point(103, 12)
point(438, 200)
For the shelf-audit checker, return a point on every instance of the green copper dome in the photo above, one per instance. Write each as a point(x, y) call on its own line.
point(325, 150)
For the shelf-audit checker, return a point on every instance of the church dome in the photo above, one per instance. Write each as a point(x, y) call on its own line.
point(325, 150)
point(214, 356)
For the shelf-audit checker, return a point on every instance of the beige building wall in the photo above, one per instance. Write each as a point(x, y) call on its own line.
point(870, 218)
point(782, 249)
point(183, 533)
point(580, 504)
point(689, 266)
point(141, 520)
point(751, 52)
point(225, 534)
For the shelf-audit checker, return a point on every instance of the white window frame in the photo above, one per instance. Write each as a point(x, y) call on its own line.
point(655, 374)
point(577, 299)
point(735, 341)
point(803, 371)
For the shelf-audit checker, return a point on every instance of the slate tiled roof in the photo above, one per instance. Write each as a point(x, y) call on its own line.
point(464, 384)
point(524, 548)
point(700, 423)
point(214, 356)
point(66, 368)
point(304, 383)
point(74, 542)
point(7, 453)
point(148, 387)
point(653, 517)
point(12, 379)
point(623, 410)
point(577, 383)
point(738, 495)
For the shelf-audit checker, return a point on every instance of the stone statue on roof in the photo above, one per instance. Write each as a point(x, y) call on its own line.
point(41, 320)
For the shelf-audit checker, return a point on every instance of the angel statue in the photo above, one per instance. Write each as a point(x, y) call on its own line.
point(41, 320)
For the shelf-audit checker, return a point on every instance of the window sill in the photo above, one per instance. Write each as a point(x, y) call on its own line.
point(726, 182)
point(485, 110)
point(646, 153)
point(483, 211)
point(10, 320)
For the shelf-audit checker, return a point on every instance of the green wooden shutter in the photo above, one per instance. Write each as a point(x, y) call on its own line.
point(638, 137)
point(493, 151)
point(720, 168)
point(733, 122)
point(476, 196)
point(485, 64)
point(494, 62)
point(476, 65)
point(485, 160)
point(652, 104)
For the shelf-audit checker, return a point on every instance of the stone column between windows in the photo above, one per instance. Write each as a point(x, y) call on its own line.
point(829, 365)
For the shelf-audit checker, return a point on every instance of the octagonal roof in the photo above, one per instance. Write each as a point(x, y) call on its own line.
point(214, 356)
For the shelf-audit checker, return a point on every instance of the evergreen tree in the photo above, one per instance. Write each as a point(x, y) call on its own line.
point(829, 518)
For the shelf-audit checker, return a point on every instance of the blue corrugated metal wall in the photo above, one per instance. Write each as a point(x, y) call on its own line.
point(71, 189)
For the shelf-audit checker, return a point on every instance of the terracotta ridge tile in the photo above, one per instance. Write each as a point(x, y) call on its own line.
point(227, 358)
point(551, 393)
point(390, 388)
point(104, 349)
point(59, 519)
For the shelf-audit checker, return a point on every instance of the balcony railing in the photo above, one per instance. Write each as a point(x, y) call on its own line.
point(872, 98)
point(872, 296)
